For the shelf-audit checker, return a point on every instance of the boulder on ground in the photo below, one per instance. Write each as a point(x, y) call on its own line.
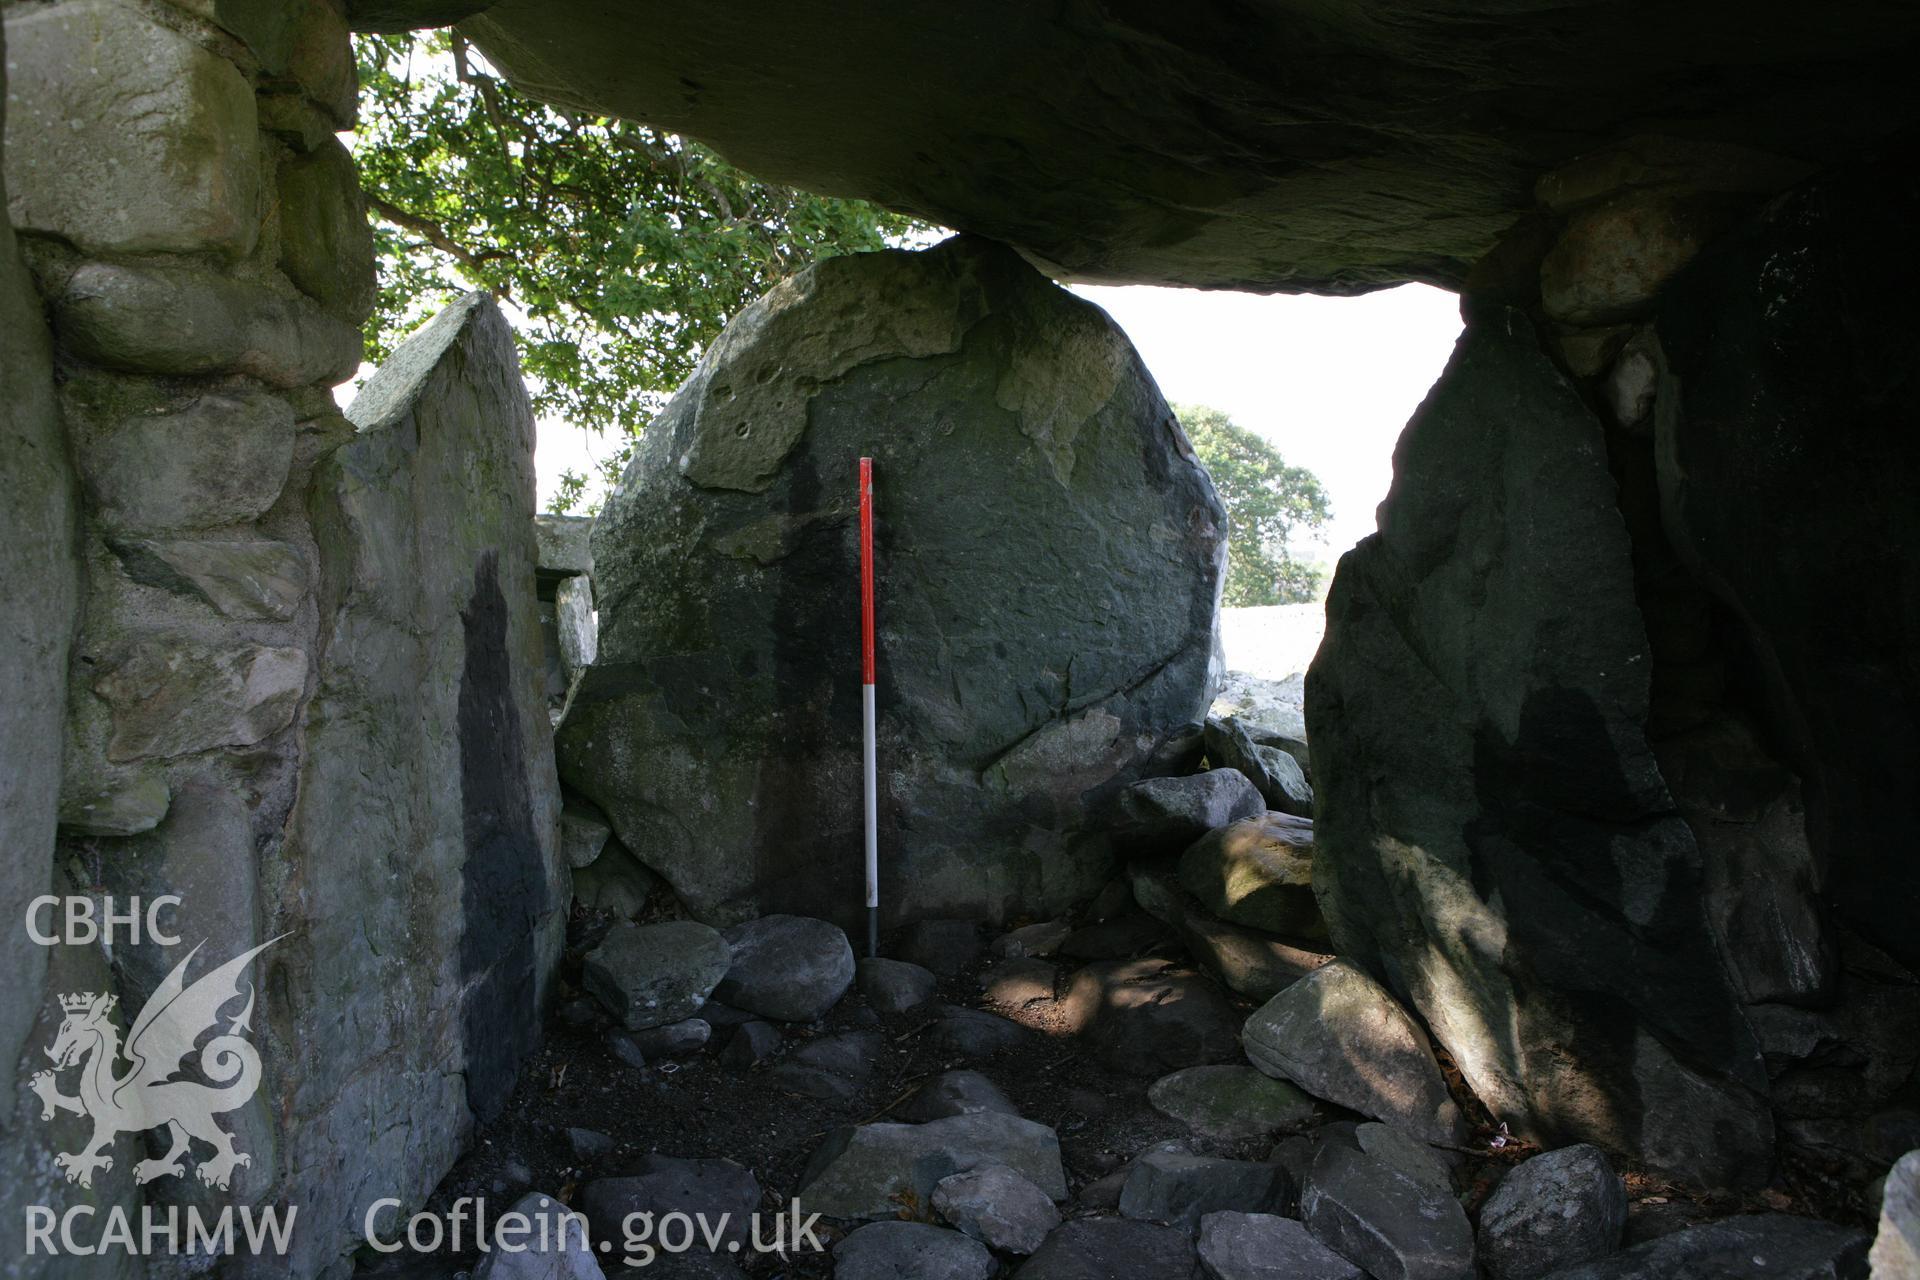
point(895, 986)
point(1148, 1017)
point(1265, 1246)
point(648, 975)
point(861, 1170)
point(675, 1039)
point(1230, 1101)
point(791, 968)
point(718, 726)
point(1257, 872)
point(1177, 1188)
point(1273, 772)
point(910, 1251)
point(1041, 939)
point(1337, 1034)
point(1896, 1248)
point(1110, 1249)
point(956, 1093)
point(1555, 1210)
point(1773, 1245)
point(751, 1043)
point(1118, 937)
point(1250, 961)
point(615, 883)
point(975, 1033)
point(944, 946)
point(660, 1185)
point(1393, 1225)
point(998, 1207)
point(553, 1247)
point(1165, 815)
point(833, 1067)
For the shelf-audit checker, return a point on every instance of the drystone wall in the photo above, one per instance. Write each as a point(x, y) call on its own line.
point(303, 694)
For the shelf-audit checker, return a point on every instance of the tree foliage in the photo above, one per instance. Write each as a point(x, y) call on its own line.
point(1269, 506)
point(621, 251)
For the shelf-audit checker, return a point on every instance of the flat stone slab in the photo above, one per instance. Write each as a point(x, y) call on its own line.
point(1230, 1102)
point(863, 1171)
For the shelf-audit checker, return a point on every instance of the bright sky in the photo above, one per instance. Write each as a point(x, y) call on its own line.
point(1331, 381)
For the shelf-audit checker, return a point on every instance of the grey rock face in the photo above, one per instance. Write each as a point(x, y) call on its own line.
point(832, 1067)
point(172, 320)
point(1769, 1244)
point(1110, 1249)
point(1758, 381)
point(727, 559)
point(671, 1184)
point(1164, 815)
point(326, 245)
point(38, 500)
point(562, 547)
point(1231, 1102)
point(253, 579)
point(1041, 939)
point(1394, 1226)
point(172, 696)
point(1514, 859)
point(1148, 1018)
point(792, 968)
point(1275, 774)
point(894, 986)
point(615, 882)
point(554, 1246)
point(1340, 194)
point(1257, 872)
point(219, 459)
point(1896, 1246)
point(583, 832)
point(944, 946)
point(579, 634)
point(127, 137)
point(956, 1093)
point(1249, 961)
point(1337, 1034)
point(1557, 1209)
point(910, 1251)
point(434, 915)
point(974, 1033)
point(675, 1040)
point(997, 1207)
point(1263, 1246)
point(653, 974)
point(1176, 1188)
point(858, 1169)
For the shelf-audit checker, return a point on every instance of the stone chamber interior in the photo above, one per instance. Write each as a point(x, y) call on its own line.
point(1571, 933)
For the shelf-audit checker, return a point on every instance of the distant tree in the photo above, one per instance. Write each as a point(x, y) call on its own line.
point(1268, 504)
point(621, 249)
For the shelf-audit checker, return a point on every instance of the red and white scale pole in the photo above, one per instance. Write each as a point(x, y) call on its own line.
point(866, 706)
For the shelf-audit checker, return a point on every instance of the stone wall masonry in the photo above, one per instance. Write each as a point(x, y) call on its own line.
point(302, 689)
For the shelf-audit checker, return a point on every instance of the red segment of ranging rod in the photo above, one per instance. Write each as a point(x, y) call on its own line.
point(866, 570)
point(866, 706)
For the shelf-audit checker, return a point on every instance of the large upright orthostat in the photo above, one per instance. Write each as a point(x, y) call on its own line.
point(1052, 563)
point(1495, 839)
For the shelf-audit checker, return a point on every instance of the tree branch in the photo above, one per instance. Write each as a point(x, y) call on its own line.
point(437, 236)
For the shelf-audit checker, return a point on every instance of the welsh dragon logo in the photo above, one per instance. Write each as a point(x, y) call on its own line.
point(147, 1096)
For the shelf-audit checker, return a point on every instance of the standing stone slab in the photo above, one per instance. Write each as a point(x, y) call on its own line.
point(720, 726)
point(126, 137)
point(1784, 447)
point(39, 566)
point(1494, 836)
point(431, 898)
